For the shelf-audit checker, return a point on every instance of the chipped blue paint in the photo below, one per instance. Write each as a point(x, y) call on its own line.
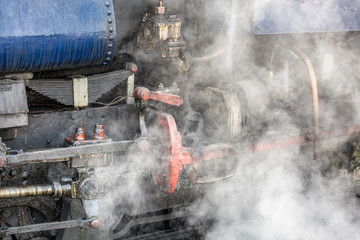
point(305, 16)
point(48, 34)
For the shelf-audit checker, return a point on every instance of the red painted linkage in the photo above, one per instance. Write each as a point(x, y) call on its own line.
point(145, 94)
point(176, 156)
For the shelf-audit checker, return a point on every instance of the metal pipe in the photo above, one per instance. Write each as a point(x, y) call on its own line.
point(210, 56)
point(55, 189)
point(315, 100)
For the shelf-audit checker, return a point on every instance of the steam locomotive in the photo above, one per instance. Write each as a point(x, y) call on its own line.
point(117, 115)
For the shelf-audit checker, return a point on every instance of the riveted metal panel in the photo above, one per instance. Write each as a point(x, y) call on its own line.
point(47, 34)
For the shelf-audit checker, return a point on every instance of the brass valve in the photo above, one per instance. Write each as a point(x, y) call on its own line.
point(160, 10)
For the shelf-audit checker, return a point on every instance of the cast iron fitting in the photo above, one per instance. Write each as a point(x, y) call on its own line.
point(79, 134)
point(89, 189)
point(99, 132)
point(131, 67)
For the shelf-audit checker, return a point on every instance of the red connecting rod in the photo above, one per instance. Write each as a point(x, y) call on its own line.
point(142, 93)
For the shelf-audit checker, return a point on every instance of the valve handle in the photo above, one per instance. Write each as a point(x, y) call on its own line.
point(142, 93)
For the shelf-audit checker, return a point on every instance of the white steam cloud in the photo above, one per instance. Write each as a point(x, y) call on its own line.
point(284, 194)
point(280, 194)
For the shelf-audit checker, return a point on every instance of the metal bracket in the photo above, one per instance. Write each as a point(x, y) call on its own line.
point(80, 91)
point(130, 89)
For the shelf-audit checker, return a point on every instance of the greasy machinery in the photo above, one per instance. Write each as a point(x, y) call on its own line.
point(114, 116)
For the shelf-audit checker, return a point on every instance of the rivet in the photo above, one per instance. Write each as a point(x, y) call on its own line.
point(109, 53)
point(107, 4)
point(105, 63)
point(25, 175)
point(91, 171)
point(6, 213)
point(108, 59)
point(111, 37)
point(111, 29)
point(13, 172)
point(110, 45)
point(108, 12)
point(109, 20)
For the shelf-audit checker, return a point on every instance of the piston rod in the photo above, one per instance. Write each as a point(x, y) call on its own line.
point(56, 189)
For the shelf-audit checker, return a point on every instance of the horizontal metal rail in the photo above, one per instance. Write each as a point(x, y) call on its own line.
point(64, 154)
point(45, 227)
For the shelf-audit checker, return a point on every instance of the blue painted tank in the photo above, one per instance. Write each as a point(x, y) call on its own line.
point(47, 34)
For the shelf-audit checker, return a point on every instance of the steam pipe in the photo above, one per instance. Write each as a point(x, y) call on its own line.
point(315, 99)
point(210, 56)
point(55, 189)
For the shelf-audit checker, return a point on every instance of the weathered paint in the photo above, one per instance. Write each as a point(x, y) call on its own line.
point(47, 34)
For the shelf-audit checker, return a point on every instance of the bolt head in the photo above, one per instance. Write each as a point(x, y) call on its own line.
point(13, 172)
point(25, 175)
point(6, 213)
point(95, 224)
point(144, 145)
